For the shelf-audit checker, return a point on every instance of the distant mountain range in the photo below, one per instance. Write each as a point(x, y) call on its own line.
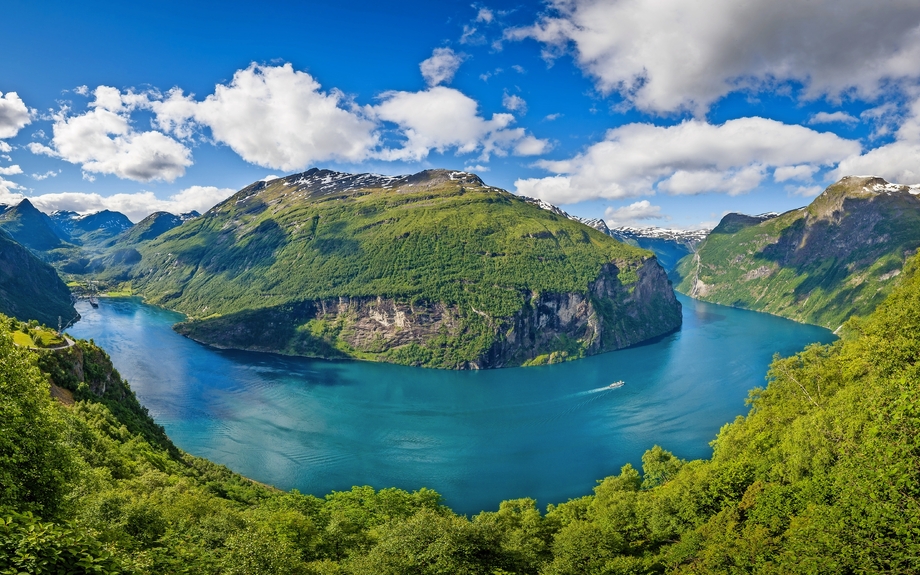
point(839, 256)
point(669, 245)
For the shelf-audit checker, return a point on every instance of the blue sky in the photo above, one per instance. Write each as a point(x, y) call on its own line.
point(655, 112)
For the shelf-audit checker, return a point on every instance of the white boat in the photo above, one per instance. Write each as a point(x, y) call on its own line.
point(616, 384)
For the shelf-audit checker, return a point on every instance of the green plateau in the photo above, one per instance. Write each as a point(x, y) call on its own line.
point(434, 269)
point(821, 476)
point(821, 264)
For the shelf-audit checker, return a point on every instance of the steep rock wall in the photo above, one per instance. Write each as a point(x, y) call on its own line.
point(550, 326)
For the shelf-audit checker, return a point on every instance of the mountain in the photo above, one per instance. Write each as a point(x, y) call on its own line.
point(30, 288)
point(670, 245)
point(32, 228)
point(435, 269)
point(91, 228)
point(153, 226)
point(820, 264)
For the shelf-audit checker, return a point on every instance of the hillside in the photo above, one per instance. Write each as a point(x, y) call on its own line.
point(821, 264)
point(434, 269)
point(822, 476)
point(32, 228)
point(30, 288)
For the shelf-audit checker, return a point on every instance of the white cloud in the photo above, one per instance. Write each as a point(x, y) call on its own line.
point(10, 170)
point(444, 118)
point(4, 147)
point(830, 118)
point(688, 158)
point(898, 161)
point(669, 55)
point(136, 206)
point(632, 214)
point(485, 15)
point(46, 175)
point(13, 114)
point(275, 117)
point(102, 140)
point(801, 172)
point(531, 146)
point(477, 168)
point(441, 66)
point(551, 117)
point(514, 103)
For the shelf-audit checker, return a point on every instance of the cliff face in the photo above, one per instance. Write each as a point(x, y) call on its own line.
point(551, 327)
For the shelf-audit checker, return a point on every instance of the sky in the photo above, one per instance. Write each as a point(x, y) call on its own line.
point(664, 113)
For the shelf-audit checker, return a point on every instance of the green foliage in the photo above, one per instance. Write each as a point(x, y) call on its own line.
point(822, 476)
point(252, 276)
point(820, 264)
point(33, 460)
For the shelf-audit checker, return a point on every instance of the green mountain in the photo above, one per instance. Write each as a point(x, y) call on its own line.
point(30, 288)
point(32, 228)
point(822, 476)
point(153, 226)
point(434, 269)
point(820, 264)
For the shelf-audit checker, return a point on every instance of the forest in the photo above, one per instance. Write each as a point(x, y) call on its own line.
point(821, 476)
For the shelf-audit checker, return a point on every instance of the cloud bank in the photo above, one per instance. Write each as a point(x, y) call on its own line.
point(692, 157)
point(670, 55)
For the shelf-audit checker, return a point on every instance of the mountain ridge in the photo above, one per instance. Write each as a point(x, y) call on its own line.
point(820, 264)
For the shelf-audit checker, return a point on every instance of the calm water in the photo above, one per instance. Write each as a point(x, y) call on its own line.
point(476, 437)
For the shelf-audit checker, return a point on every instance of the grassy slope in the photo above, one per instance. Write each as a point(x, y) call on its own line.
point(476, 246)
point(821, 264)
point(823, 476)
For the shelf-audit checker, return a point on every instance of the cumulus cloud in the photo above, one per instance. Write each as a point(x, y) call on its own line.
point(670, 55)
point(688, 158)
point(441, 66)
point(801, 172)
point(443, 118)
point(10, 170)
point(275, 117)
point(13, 114)
point(485, 15)
point(102, 140)
point(898, 161)
point(136, 206)
point(830, 118)
point(514, 103)
point(632, 214)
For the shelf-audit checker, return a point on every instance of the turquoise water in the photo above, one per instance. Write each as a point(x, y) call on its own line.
point(476, 437)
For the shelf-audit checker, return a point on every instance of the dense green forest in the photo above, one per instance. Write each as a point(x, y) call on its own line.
point(822, 476)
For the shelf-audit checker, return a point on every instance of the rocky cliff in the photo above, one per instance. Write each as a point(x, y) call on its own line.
point(549, 328)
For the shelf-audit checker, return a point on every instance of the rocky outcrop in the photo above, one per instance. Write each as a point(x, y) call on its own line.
point(550, 327)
